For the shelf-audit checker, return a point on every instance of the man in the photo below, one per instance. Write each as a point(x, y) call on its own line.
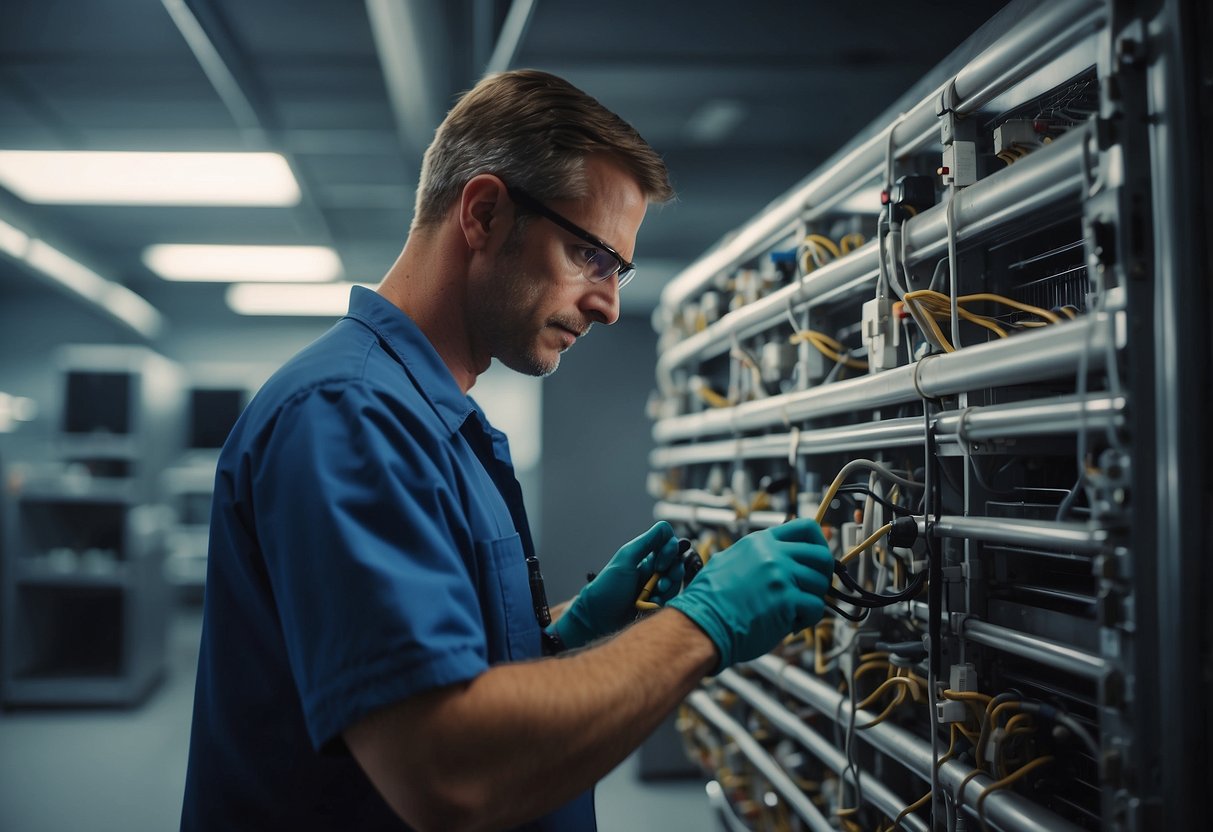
point(371, 656)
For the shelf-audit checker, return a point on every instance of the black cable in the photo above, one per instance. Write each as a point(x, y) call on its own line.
point(863, 489)
point(864, 598)
point(844, 614)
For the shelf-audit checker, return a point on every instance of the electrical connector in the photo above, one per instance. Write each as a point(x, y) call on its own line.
point(963, 677)
point(959, 166)
point(904, 533)
point(909, 196)
point(1015, 134)
point(949, 710)
point(881, 334)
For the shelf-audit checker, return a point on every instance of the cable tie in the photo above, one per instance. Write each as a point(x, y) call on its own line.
point(793, 446)
point(962, 435)
point(917, 371)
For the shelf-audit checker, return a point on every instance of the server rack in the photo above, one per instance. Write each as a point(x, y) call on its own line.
point(994, 298)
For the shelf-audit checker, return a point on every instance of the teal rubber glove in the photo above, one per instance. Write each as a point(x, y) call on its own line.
point(608, 603)
point(750, 596)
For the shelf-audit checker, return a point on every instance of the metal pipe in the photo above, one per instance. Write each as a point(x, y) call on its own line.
point(1076, 537)
point(1032, 184)
point(1054, 26)
point(724, 812)
point(1034, 648)
point(821, 748)
point(711, 516)
point(762, 761)
point(1028, 186)
point(758, 316)
point(1046, 353)
point(1004, 809)
point(1042, 417)
point(890, 433)
point(1051, 653)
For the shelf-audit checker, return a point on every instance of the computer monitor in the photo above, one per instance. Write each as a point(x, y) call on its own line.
point(97, 402)
point(213, 411)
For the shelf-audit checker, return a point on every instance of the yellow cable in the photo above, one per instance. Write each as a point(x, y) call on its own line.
point(934, 327)
point(850, 242)
point(888, 684)
point(1014, 304)
point(962, 695)
point(941, 298)
point(826, 243)
point(863, 547)
point(828, 347)
point(1017, 721)
point(711, 396)
point(1010, 779)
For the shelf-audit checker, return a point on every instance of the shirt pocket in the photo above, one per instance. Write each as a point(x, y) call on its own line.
point(505, 599)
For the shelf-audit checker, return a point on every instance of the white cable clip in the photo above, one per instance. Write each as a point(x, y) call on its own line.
point(793, 446)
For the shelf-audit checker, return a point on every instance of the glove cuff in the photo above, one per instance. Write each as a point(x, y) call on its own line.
point(706, 619)
point(571, 630)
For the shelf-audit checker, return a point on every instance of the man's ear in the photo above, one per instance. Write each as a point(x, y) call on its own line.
point(485, 212)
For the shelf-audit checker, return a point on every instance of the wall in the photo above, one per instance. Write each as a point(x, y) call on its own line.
point(596, 442)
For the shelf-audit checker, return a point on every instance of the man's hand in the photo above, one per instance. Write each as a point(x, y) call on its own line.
point(765, 586)
point(608, 603)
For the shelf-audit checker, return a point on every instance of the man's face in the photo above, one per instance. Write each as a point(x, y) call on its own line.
point(536, 302)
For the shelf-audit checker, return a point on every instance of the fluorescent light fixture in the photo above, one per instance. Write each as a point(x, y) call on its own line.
point(233, 264)
point(13, 241)
point(130, 178)
point(321, 299)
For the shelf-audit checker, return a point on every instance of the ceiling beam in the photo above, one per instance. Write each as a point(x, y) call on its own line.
point(208, 38)
point(513, 30)
point(21, 244)
point(413, 41)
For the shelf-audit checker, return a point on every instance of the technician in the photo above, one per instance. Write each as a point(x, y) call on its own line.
point(371, 653)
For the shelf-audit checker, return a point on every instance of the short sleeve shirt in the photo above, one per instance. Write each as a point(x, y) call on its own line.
point(367, 543)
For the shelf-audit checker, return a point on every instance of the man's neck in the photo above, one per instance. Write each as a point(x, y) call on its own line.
point(429, 284)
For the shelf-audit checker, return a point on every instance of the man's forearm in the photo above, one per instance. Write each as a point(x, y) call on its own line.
point(521, 739)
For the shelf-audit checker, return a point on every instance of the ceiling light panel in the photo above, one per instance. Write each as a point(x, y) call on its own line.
point(326, 299)
point(233, 264)
point(130, 178)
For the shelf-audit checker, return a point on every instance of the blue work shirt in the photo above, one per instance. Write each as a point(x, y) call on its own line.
point(367, 543)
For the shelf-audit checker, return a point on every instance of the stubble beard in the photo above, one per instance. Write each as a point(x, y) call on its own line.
point(503, 316)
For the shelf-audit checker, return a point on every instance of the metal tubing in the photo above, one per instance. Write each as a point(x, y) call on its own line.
point(709, 515)
point(1028, 186)
point(1043, 417)
point(724, 812)
point(1032, 184)
point(821, 748)
point(1051, 653)
point(758, 316)
point(1058, 656)
point(1004, 809)
point(1075, 537)
point(762, 761)
point(1054, 27)
point(890, 433)
point(1046, 353)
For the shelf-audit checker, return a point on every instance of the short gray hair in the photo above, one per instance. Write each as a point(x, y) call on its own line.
point(534, 130)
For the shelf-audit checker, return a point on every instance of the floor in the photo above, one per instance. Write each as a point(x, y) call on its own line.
point(123, 770)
